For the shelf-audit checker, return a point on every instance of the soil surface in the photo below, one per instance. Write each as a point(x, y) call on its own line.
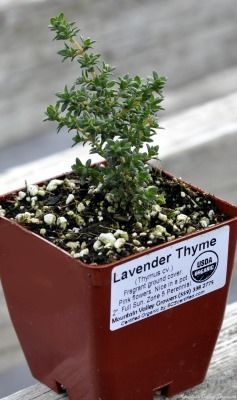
point(81, 219)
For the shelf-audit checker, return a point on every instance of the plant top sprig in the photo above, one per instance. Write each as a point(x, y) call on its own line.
point(116, 116)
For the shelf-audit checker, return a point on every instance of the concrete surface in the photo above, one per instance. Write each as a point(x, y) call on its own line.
point(192, 43)
point(16, 379)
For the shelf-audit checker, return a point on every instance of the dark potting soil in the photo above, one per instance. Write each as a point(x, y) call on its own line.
point(81, 220)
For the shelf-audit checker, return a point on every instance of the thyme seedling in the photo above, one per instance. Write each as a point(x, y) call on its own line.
point(116, 116)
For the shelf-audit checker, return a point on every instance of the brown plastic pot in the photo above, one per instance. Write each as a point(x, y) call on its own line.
point(79, 330)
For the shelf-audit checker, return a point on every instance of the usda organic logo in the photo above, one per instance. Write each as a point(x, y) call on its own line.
point(204, 266)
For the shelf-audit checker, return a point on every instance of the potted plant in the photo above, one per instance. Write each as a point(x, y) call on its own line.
point(115, 274)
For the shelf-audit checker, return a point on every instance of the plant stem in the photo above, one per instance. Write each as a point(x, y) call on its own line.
point(77, 45)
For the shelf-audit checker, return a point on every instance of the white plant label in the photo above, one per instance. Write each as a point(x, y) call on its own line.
point(168, 277)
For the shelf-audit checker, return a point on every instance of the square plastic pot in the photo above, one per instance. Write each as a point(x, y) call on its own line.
point(124, 330)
